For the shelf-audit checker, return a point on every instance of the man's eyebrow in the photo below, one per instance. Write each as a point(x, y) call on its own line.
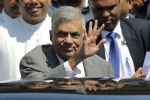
point(60, 31)
point(74, 32)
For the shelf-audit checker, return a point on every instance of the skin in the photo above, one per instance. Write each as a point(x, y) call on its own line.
point(72, 43)
point(11, 8)
point(33, 11)
point(106, 12)
point(68, 39)
point(139, 73)
point(126, 6)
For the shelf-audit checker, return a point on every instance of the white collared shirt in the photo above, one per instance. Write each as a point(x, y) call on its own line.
point(78, 71)
point(4, 18)
point(17, 39)
point(127, 69)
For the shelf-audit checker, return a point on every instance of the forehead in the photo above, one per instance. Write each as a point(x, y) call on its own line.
point(104, 3)
point(69, 26)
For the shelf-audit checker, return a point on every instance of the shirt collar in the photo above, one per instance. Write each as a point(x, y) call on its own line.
point(104, 33)
point(117, 30)
point(5, 16)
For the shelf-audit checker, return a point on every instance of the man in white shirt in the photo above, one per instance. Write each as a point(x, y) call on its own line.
point(72, 53)
point(9, 11)
point(23, 34)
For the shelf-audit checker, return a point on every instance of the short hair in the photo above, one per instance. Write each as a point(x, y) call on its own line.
point(91, 1)
point(66, 13)
point(73, 3)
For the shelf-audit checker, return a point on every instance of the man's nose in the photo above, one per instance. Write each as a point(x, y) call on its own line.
point(34, 1)
point(106, 13)
point(69, 39)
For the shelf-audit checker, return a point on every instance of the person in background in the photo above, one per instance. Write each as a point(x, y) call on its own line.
point(9, 11)
point(127, 40)
point(139, 9)
point(82, 4)
point(72, 53)
point(58, 3)
point(23, 34)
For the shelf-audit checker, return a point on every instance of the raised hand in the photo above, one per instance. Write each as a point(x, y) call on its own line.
point(89, 45)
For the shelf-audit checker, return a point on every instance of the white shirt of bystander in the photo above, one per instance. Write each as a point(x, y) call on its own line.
point(18, 38)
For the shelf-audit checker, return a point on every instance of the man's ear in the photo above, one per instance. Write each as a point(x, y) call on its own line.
point(51, 34)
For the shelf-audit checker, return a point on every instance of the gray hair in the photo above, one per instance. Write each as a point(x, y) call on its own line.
point(66, 13)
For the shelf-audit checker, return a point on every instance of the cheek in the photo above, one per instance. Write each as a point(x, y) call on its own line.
point(79, 43)
point(58, 41)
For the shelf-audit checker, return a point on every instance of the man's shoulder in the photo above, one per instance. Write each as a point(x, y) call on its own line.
point(39, 50)
point(134, 21)
point(97, 59)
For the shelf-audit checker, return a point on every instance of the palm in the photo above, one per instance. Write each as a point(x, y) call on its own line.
point(89, 45)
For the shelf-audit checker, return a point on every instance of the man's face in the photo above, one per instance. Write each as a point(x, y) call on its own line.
point(106, 12)
point(33, 11)
point(11, 8)
point(68, 39)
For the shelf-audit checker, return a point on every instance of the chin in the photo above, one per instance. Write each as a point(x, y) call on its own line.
point(69, 55)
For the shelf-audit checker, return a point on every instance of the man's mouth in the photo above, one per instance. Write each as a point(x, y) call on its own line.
point(67, 49)
point(34, 8)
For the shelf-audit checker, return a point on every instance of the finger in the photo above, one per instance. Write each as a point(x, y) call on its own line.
point(139, 71)
point(85, 34)
point(95, 26)
point(90, 29)
point(143, 75)
point(101, 43)
point(101, 28)
point(95, 89)
point(99, 31)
